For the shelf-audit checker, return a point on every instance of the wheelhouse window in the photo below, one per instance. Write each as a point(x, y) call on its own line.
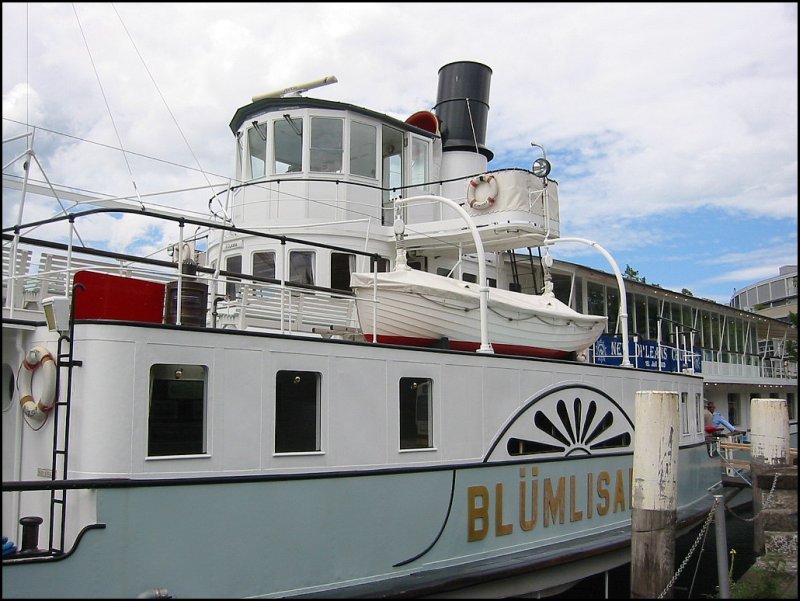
point(177, 411)
point(416, 410)
point(301, 267)
point(363, 149)
point(392, 171)
point(257, 150)
point(342, 265)
point(288, 145)
point(327, 144)
point(297, 411)
point(419, 161)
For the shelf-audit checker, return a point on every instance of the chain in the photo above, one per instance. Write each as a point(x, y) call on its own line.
point(707, 523)
point(767, 502)
point(709, 519)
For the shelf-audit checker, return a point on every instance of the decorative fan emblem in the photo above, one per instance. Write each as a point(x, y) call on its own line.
point(562, 422)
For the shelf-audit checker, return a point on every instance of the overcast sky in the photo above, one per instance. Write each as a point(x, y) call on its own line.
point(672, 128)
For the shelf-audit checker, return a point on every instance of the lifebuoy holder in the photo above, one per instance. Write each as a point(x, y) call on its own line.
point(472, 188)
point(40, 360)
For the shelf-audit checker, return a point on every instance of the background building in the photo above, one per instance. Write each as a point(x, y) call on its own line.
point(774, 297)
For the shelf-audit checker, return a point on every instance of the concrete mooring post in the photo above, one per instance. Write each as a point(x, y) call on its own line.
point(654, 505)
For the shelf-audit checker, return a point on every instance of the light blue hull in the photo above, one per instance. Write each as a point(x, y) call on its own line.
point(278, 537)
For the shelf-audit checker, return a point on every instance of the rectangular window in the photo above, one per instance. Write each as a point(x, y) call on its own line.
point(176, 419)
point(577, 303)
point(257, 149)
point(264, 264)
point(326, 144)
point(562, 286)
point(382, 264)
point(652, 318)
point(416, 409)
point(685, 413)
point(612, 302)
point(342, 265)
point(733, 407)
point(363, 149)
point(301, 267)
point(234, 265)
point(297, 411)
point(288, 142)
point(418, 263)
point(392, 171)
point(419, 161)
point(595, 299)
point(698, 411)
point(640, 310)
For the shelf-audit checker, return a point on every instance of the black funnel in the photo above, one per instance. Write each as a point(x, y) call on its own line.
point(462, 106)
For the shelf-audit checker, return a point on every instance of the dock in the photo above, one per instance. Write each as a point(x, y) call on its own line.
point(774, 572)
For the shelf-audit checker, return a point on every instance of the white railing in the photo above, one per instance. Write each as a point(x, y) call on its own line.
point(256, 305)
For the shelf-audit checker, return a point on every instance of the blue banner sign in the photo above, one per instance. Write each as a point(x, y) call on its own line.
point(645, 354)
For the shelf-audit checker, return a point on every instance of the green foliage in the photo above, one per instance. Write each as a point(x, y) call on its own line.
point(767, 579)
point(687, 292)
point(791, 345)
point(633, 275)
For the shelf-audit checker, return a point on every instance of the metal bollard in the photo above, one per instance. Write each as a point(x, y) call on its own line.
point(722, 548)
point(30, 534)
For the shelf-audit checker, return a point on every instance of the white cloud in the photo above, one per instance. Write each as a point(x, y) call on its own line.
point(649, 112)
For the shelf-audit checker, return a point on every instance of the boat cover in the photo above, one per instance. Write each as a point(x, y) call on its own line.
point(519, 190)
point(422, 283)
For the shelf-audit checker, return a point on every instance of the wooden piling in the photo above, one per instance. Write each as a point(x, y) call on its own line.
point(654, 506)
point(769, 457)
point(769, 431)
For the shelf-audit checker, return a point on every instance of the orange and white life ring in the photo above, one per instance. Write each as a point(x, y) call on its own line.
point(491, 197)
point(37, 359)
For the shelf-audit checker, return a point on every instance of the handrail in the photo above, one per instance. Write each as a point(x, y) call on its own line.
point(623, 300)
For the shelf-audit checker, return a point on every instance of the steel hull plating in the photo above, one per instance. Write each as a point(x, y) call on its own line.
point(237, 520)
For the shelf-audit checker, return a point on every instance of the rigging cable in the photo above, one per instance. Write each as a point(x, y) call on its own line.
point(102, 91)
point(472, 125)
point(164, 100)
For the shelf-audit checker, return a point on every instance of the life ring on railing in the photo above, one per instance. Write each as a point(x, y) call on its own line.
point(38, 359)
point(474, 183)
